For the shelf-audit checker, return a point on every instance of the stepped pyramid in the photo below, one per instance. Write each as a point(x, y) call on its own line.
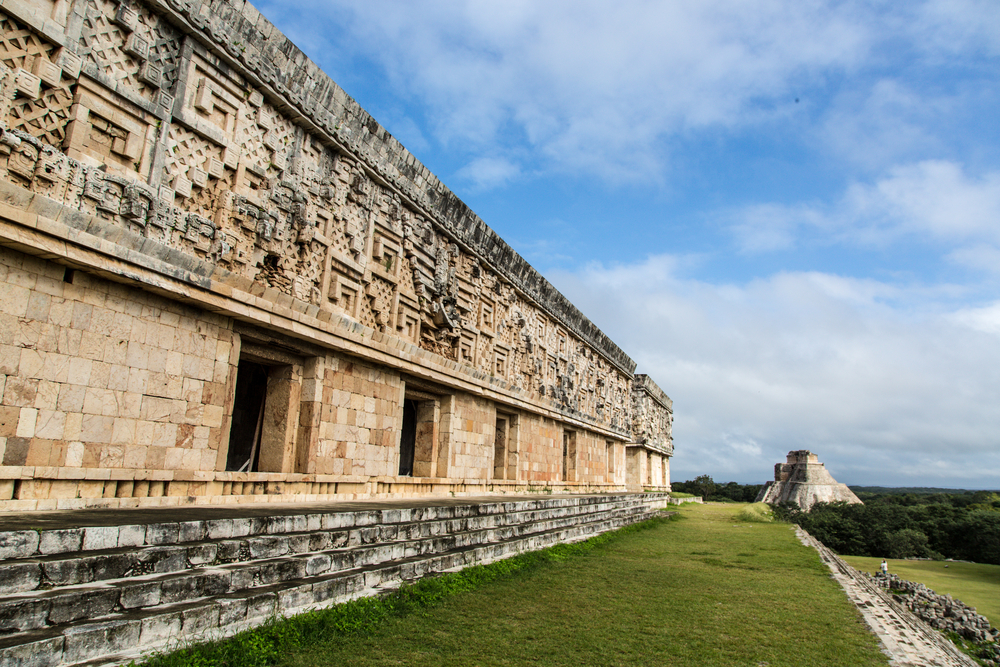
point(803, 479)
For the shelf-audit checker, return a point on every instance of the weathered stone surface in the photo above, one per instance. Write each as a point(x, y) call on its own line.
point(99, 639)
point(60, 541)
point(18, 544)
point(804, 480)
point(44, 652)
point(17, 577)
point(178, 210)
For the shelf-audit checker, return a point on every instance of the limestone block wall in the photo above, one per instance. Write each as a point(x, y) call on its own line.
point(225, 279)
point(541, 453)
point(359, 423)
point(99, 375)
point(471, 451)
point(591, 457)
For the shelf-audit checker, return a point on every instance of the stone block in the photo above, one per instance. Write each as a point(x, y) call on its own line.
point(261, 606)
point(160, 629)
point(318, 564)
point(131, 536)
point(114, 566)
point(17, 615)
point(162, 533)
point(97, 639)
point(18, 543)
point(228, 551)
point(199, 620)
point(218, 529)
point(100, 537)
point(282, 571)
point(68, 572)
point(231, 610)
point(84, 604)
point(324, 591)
point(46, 70)
point(18, 577)
point(27, 84)
point(267, 546)
point(190, 531)
point(166, 559)
point(47, 652)
point(295, 598)
point(194, 586)
point(138, 596)
point(243, 579)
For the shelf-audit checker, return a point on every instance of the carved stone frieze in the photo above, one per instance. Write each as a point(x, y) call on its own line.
point(282, 180)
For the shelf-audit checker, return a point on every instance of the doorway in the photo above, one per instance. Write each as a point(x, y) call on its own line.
point(248, 417)
point(408, 438)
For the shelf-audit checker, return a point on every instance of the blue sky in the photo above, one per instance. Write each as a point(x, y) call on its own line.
point(786, 211)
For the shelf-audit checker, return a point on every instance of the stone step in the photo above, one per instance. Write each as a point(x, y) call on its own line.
point(67, 569)
point(36, 542)
point(37, 609)
point(117, 636)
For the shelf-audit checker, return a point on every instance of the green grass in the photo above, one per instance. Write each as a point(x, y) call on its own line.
point(755, 513)
point(700, 590)
point(678, 494)
point(975, 584)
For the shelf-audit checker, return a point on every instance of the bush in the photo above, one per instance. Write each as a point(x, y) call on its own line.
point(756, 513)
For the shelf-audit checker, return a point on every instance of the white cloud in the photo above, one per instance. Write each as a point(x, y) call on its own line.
point(485, 173)
point(933, 197)
point(807, 360)
point(935, 202)
point(986, 318)
point(592, 87)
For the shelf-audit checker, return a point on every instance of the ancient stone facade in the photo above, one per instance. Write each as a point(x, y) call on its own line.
point(223, 279)
point(804, 480)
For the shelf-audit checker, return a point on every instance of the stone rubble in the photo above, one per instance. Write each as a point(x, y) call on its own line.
point(905, 638)
point(944, 613)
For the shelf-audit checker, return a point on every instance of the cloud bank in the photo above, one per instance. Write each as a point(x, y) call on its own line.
point(886, 393)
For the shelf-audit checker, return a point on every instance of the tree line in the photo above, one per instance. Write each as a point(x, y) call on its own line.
point(730, 492)
point(963, 526)
point(892, 523)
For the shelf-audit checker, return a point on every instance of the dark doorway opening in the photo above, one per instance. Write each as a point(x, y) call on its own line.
point(408, 438)
point(248, 417)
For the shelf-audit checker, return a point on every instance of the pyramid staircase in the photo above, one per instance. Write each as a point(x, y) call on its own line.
point(106, 594)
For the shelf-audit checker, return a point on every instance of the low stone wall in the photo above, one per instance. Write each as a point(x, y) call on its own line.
point(681, 501)
point(943, 613)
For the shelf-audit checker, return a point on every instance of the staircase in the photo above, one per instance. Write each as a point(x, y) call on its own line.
point(105, 594)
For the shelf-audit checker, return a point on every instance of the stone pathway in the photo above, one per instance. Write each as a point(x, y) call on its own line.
point(908, 641)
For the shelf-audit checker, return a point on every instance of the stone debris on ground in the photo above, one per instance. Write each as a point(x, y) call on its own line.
point(944, 613)
point(905, 638)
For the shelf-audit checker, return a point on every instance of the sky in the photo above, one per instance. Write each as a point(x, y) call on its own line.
point(787, 212)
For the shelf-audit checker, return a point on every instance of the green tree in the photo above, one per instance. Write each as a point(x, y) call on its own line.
point(907, 543)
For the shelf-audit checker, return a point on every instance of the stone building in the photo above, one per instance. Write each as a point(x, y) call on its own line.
point(806, 481)
point(222, 280)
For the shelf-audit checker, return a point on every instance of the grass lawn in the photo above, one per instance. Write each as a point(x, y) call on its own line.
point(975, 584)
point(700, 590)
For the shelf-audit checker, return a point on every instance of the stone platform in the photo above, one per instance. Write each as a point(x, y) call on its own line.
point(100, 587)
